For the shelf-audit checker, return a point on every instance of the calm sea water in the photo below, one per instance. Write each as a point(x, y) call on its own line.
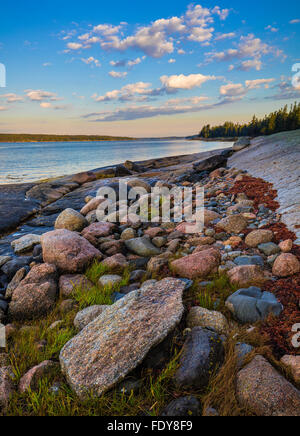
point(30, 162)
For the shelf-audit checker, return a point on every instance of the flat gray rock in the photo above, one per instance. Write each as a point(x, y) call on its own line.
point(142, 247)
point(116, 342)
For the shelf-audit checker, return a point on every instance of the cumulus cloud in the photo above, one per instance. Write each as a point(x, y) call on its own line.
point(295, 21)
point(284, 91)
point(255, 84)
point(248, 47)
point(155, 39)
point(232, 90)
point(172, 61)
point(272, 29)
point(39, 95)
point(236, 91)
point(185, 82)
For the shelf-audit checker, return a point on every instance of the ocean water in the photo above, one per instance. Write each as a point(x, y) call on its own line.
point(29, 162)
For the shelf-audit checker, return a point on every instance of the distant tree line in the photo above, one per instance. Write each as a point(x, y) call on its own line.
point(11, 137)
point(282, 120)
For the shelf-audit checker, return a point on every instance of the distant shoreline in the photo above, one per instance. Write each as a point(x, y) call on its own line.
point(36, 138)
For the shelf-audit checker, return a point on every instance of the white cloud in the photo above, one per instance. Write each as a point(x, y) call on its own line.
point(185, 82)
point(3, 108)
point(74, 46)
point(107, 29)
point(91, 60)
point(39, 95)
point(11, 98)
point(251, 63)
point(232, 90)
point(172, 61)
point(136, 61)
point(296, 21)
point(255, 84)
point(272, 29)
point(47, 64)
point(118, 74)
point(45, 105)
point(181, 52)
point(201, 34)
point(126, 93)
point(224, 36)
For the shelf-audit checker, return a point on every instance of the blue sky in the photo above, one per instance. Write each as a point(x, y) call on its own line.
point(144, 69)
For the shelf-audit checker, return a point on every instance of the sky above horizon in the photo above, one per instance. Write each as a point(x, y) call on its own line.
point(136, 69)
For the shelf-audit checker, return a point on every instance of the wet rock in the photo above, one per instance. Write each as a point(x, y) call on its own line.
point(25, 243)
point(142, 247)
point(86, 316)
point(286, 265)
point(262, 390)
point(252, 305)
point(203, 352)
point(67, 250)
point(211, 164)
point(71, 220)
point(36, 294)
point(248, 275)
point(184, 406)
point(233, 224)
point(118, 340)
point(68, 283)
point(4, 260)
point(13, 266)
point(212, 320)
point(198, 265)
point(257, 237)
point(18, 277)
point(31, 379)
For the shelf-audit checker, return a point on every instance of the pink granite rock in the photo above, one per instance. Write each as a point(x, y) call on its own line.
point(198, 265)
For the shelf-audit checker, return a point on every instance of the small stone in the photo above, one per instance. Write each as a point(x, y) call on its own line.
point(286, 265)
point(4, 260)
point(249, 260)
point(242, 351)
point(110, 280)
point(142, 247)
point(56, 325)
point(67, 306)
point(128, 234)
point(117, 263)
point(92, 205)
point(249, 275)
point(159, 241)
point(257, 237)
point(199, 265)
point(7, 388)
point(262, 390)
point(200, 317)
point(269, 248)
point(12, 286)
point(97, 230)
point(286, 246)
point(71, 220)
point(233, 224)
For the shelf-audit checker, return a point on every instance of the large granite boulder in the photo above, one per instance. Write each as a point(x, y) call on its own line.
point(199, 265)
point(263, 391)
point(203, 352)
point(116, 342)
point(252, 305)
point(211, 163)
point(36, 294)
point(67, 250)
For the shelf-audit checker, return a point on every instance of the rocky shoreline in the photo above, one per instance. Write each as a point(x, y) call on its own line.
point(145, 318)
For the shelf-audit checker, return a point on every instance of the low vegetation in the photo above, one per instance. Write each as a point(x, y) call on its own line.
point(13, 137)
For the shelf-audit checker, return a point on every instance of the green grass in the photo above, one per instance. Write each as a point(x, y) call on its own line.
point(215, 294)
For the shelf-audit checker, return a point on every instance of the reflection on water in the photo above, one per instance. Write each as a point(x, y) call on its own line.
point(35, 161)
